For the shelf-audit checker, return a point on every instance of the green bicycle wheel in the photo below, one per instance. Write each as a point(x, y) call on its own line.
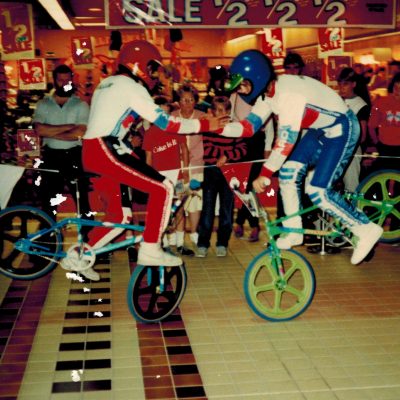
point(277, 298)
point(380, 202)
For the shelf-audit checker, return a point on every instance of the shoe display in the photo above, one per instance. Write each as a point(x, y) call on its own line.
point(201, 252)
point(288, 240)
point(365, 236)
point(221, 251)
point(152, 254)
point(185, 251)
point(239, 231)
point(77, 265)
point(254, 235)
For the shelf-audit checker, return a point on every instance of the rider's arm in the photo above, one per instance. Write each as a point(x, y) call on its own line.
point(252, 123)
point(142, 104)
point(290, 110)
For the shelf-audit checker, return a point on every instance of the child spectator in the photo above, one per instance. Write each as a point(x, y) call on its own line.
point(217, 151)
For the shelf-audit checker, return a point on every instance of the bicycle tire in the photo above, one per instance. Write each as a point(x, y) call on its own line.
point(16, 223)
point(383, 187)
point(275, 299)
point(146, 302)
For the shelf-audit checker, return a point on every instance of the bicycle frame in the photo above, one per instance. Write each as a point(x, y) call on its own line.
point(29, 246)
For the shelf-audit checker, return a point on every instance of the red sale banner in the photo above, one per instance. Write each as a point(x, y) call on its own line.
point(16, 24)
point(82, 51)
point(335, 65)
point(331, 42)
point(28, 143)
point(32, 74)
point(272, 43)
point(122, 14)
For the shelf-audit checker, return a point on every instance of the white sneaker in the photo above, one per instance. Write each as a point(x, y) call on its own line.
point(288, 240)
point(77, 265)
point(366, 236)
point(153, 255)
point(221, 251)
point(201, 252)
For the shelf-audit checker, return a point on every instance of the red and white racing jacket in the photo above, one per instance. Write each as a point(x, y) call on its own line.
point(299, 102)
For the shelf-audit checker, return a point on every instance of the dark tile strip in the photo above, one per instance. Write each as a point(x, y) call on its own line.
point(83, 327)
point(168, 364)
point(19, 317)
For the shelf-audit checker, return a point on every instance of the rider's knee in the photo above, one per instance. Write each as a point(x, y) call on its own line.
point(291, 173)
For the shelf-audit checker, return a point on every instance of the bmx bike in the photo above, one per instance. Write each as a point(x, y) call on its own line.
point(32, 245)
point(279, 285)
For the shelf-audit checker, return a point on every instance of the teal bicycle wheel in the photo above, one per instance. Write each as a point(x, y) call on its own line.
point(277, 298)
point(25, 222)
point(154, 293)
point(381, 202)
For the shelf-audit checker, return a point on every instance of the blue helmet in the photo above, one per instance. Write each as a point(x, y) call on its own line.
point(254, 66)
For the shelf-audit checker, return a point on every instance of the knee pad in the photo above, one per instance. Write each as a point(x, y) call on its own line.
point(291, 172)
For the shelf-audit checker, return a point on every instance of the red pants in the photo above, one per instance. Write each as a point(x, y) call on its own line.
point(100, 157)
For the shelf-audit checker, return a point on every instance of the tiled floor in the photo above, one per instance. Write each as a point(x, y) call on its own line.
point(61, 339)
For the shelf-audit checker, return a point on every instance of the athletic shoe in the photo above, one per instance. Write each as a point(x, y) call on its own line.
point(185, 251)
point(239, 231)
point(365, 236)
point(254, 235)
point(201, 252)
point(288, 240)
point(77, 265)
point(152, 254)
point(221, 251)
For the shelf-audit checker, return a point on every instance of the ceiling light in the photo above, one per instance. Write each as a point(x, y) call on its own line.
point(95, 9)
point(90, 24)
point(57, 13)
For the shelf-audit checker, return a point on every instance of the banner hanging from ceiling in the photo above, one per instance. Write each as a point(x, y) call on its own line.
point(16, 26)
point(127, 14)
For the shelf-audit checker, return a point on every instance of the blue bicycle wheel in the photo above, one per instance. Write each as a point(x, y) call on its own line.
point(154, 293)
point(381, 202)
point(279, 298)
point(17, 223)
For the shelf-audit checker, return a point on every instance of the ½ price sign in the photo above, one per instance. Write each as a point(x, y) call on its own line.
point(32, 74)
point(16, 25)
point(249, 13)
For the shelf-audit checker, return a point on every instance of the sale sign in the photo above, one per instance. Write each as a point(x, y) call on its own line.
point(16, 24)
point(32, 74)
point(335, 65)
point(331, 42)
point(28, 143)
point(82, 51)
point(272, 43)
point(122, 14)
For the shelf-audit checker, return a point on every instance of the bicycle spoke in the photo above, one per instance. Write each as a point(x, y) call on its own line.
point(277, 301)
point(295, 292)
point(264, 288)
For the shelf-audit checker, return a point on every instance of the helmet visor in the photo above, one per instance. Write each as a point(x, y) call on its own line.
point(233, 82)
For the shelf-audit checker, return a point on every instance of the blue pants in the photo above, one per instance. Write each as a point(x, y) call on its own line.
point(329, 157)
point(215, 183)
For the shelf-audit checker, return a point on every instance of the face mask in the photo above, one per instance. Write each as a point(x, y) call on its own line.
point(65, 91)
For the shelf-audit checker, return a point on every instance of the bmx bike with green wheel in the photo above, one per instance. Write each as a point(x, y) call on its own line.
point(279, 285)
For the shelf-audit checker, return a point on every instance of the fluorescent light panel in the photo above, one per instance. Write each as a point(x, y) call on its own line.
point(57, 13)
